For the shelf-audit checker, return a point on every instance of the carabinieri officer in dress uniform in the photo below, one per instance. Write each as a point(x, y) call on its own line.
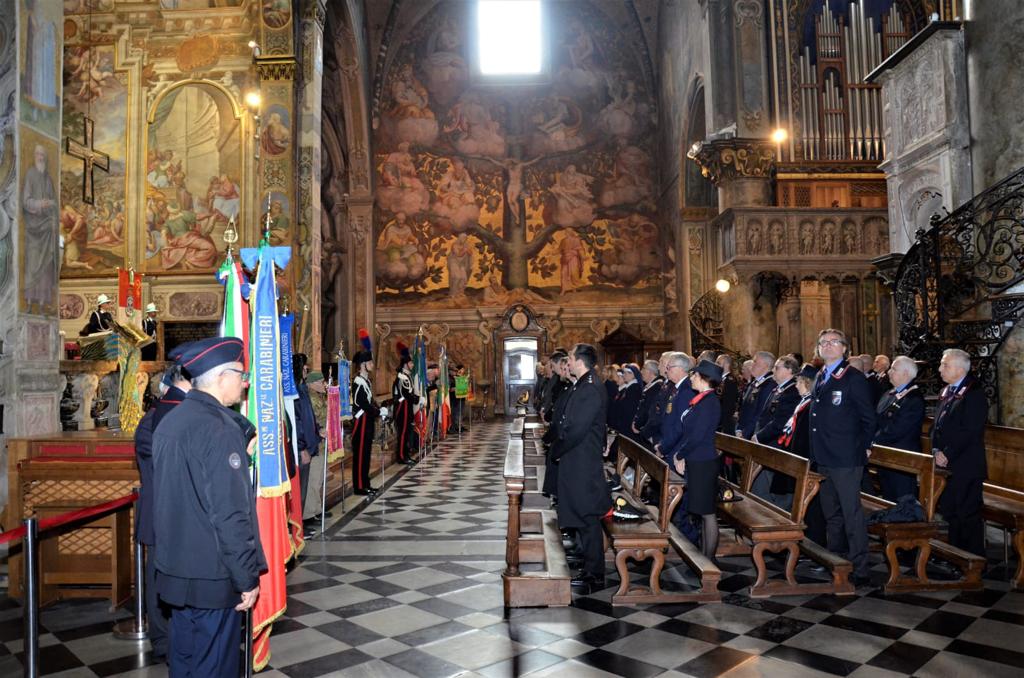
point(209, 558)
point(404, 401)
point(842, 426)
point(365, 412)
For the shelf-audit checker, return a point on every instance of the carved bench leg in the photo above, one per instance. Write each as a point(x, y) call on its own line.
point(757, 555)
point(921, 565)
point(620, 565)
point(791, 558)
point(659, 562)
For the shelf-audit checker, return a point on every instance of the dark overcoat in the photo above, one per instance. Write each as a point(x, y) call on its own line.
point(144, 458)
point(582, 489)
point(205, 513)
point(842, 418)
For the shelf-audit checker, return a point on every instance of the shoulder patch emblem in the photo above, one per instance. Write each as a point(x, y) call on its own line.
point(235, 460)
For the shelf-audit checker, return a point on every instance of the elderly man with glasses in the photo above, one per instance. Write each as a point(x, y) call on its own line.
point(210, 558)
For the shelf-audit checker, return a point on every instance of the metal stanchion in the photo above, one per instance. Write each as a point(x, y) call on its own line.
point(136, 627)
point(248, 643)
point(323, 492)
point(31, 611)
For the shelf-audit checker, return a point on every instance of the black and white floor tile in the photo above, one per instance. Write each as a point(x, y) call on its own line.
point(409, 585)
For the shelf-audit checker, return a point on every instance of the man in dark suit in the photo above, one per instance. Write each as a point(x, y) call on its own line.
point(900, 414)
point(678, 371)
point(756, 394)
point(728, 395)
point(879, 375)
point(652, 386)
point(776, 412)
point(583, 497)
point(559, 364)
point(651, 431)
point(173, 387)
point(958, 443)
point(209, 556)
point(842, 426)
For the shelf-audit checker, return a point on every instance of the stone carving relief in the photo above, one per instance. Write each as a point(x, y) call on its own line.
point(919, 107)
point(808, 238)
point(749, 10)
point(755, 238)
point(603, 327)
point(71, 306)
point(37, 341)
point(776, 238)
point(734, 158)
point(435, 333)
point(194, 305)
point(829, 234)
point(849, 241)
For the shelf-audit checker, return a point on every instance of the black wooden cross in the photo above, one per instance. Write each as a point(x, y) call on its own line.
point(90, 157)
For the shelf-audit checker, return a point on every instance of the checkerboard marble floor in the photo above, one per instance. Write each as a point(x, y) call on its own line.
point(409, 585)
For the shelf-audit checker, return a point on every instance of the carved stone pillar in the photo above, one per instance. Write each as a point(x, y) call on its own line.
point(309, 140)
point(815, 313)
point(30, 384)
point(740, 168)
point(361, 274)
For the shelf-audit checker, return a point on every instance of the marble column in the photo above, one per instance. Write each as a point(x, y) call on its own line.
point(309, 139)
point(30, 147)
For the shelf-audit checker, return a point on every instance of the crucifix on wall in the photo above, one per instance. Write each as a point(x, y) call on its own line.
point(91, 159)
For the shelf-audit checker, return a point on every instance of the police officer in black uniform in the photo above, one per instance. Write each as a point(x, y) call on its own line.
point(842, 426)
point(958, 443)
point(756, 394)
point(583, 497)
point(678, 371)
point(651, 430)
point(364, 412)
point(173, 386)
point(900, 415)
point(209, 556)
point(559, 365)
point(652, 388)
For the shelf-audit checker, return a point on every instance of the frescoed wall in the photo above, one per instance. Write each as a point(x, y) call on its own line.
point(543, 193)
point(163, 82)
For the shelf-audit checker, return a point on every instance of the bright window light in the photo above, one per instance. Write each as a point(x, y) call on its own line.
point(510, 37)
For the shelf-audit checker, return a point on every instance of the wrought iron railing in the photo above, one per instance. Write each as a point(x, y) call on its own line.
point(962, 282)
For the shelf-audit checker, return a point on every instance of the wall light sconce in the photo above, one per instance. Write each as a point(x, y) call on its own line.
point(723, 285)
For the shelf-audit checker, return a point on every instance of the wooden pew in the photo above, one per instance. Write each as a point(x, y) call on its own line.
point(924, 535)
point(532, 537)
point(1004, 490)
point(769, 528)
point(650, 539)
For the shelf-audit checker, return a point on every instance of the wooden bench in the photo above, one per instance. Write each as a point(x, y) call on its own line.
point(517, 429)
point(763, 526)
point(926, 535)
point(532, 537)
point(1003, 492)
point(650, 539)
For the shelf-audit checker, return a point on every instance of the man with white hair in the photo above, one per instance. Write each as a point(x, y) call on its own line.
point(757, 393)
point(209, 556)
point(650, 374)
point(879, 375)
point(958, 443)
point(677, 368)
point(900, 412)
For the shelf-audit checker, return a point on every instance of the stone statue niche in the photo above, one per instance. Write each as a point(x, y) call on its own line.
point(104, 410)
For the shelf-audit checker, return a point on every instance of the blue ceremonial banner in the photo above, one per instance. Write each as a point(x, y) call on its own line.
point(287, 373)
point(265, 394)
point(344, 388)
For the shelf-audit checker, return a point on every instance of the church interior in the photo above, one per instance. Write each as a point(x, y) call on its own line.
point(644, 176)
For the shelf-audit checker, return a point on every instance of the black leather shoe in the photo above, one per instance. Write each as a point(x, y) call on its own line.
point(361, 492)
point(373, 490)
point(860, 580)
point(586, 584)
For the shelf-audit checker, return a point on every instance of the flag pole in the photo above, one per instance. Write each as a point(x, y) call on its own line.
point(341, 467)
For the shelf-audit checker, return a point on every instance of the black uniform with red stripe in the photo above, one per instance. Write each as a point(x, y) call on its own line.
point(404, 399)
point(364, 412)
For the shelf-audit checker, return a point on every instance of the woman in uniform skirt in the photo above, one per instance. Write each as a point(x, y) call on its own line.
point(696, 456)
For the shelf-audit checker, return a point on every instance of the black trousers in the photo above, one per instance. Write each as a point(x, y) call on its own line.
point(362, 448)
point(303, 479)
point(407, 441)
point(844, 517)
point(205, 642)
point(961, 505)
point(158, 616)
point(591, 541)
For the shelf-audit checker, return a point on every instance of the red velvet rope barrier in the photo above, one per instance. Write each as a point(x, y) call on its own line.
point(71, 517)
